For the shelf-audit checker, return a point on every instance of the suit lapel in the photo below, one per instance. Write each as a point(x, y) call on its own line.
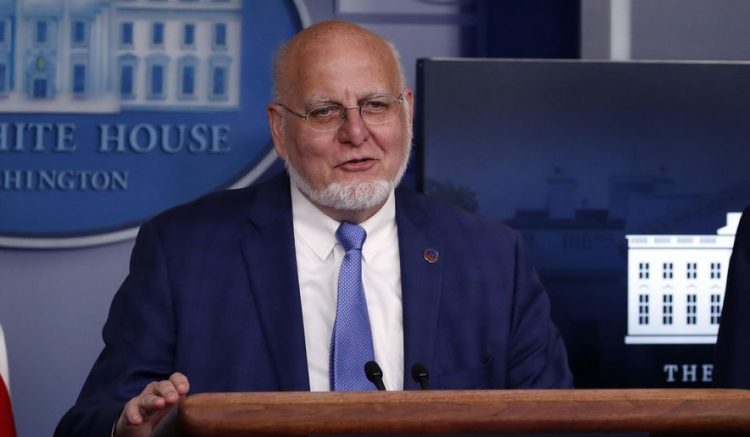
point(421, 282)
point(269, 253)
point(271, 264)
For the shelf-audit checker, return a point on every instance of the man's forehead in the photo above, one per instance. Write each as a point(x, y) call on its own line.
point(324, 75)
point(319, 52)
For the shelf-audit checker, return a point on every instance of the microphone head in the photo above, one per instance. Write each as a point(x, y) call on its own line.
point(419, 372)
point(373, 372)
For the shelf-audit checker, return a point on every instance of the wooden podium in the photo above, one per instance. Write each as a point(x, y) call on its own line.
point(659, 411)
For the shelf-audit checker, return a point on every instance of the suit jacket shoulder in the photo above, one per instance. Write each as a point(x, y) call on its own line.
point(258, 203)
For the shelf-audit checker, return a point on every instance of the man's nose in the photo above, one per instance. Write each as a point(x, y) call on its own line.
point(354, 130)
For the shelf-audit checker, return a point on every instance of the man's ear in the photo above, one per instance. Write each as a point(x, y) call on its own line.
point(276, 123)
point(409, 96)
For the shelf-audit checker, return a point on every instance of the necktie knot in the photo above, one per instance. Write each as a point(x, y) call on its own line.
point(351, 236)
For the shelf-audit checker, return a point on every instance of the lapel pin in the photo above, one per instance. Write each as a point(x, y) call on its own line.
point(431, 255)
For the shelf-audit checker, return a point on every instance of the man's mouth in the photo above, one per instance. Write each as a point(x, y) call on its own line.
point(357, 164)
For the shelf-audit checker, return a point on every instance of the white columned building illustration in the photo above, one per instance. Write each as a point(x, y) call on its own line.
point(676, 285)
point(56, 56)
point(179, 54)
point(105, 56)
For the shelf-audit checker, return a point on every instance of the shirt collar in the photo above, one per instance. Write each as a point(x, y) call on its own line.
point(319, 230)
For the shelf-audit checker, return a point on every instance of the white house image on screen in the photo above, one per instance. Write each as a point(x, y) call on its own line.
point(108, 56)
point(676, 285)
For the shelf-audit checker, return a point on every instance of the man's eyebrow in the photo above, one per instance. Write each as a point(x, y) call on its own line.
point(378, 92)
point(375, 93)
point(318, 100)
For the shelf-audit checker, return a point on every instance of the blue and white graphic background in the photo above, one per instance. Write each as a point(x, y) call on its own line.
point(226, 140)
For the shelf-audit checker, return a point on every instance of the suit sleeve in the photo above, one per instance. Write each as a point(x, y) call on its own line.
point(732, 366)
point(139, 342)
point(537, 356)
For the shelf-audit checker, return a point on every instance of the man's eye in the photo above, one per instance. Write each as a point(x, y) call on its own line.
point(375, 106)
point(324, 112)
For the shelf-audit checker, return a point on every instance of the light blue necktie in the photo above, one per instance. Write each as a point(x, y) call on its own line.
point(351, 342)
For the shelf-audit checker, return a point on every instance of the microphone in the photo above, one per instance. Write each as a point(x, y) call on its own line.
point(420, 374)
point(374, 374)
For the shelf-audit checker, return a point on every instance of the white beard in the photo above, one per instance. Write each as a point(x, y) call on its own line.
point(348, 196)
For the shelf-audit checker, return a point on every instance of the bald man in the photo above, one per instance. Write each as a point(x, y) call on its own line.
point(238, 291)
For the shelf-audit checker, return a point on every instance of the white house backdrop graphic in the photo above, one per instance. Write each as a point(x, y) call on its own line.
point(676, 285)
point(104, 56)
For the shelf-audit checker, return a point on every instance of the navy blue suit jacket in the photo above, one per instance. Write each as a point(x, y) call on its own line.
point(732, 367)
point(213, 293)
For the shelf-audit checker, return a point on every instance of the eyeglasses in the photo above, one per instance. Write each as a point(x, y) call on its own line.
point(331, 116)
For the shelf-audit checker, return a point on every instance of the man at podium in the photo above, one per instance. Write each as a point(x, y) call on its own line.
point(296, 283)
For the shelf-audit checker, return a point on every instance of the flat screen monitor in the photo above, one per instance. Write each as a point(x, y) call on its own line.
point(624, 179)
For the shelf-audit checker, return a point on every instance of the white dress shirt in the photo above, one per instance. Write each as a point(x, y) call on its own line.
point(319, 258)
